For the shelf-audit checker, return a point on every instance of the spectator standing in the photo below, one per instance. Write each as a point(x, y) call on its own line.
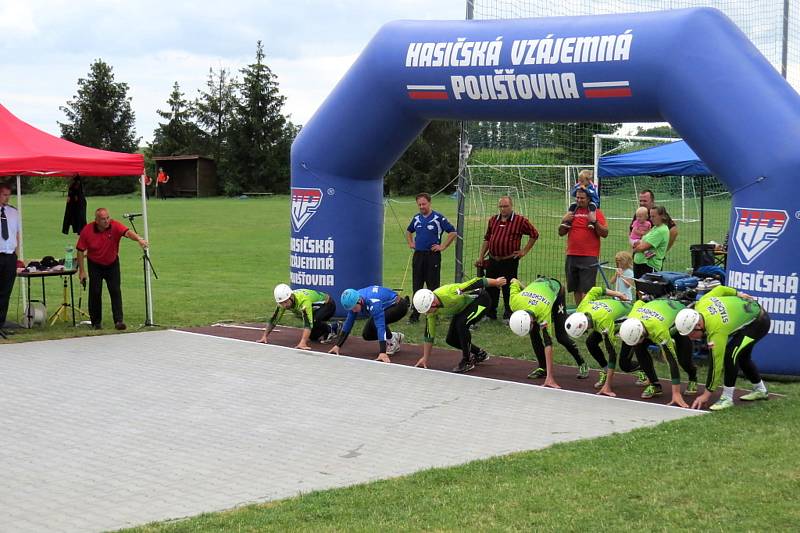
point(502, 241)
point(585, 182)
point(648, 199)
point(649, 253)
point(583, 229)
point(424, 236)
point(99, 243)
point(9, 249)
point(623, 276)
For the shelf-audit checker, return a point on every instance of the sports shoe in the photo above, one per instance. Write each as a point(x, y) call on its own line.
point(691, 388)
point(336, 327)
point(583, 371)
point(538, 373)
point(651, 391)
point(641, 378)
point(480, 356)
point(120, 326)
point(464, 366)
point(601, 381)
point(722, 403)
point(755, 395)
point(394, 343)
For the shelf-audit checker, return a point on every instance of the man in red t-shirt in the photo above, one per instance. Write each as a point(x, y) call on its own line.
point(583, 228)
point(99, 242)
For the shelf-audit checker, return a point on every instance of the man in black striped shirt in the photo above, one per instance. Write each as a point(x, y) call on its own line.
point(502, 241)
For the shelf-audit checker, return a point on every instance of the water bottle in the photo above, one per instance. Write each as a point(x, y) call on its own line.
point(69, 257)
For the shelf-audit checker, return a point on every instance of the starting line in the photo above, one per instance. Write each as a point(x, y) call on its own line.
point(108, 432)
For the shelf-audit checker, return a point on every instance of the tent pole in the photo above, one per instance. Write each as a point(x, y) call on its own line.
point(598, 147)
point(683, 198)
point(22, 286)
point(702, 209)
point(148, 320)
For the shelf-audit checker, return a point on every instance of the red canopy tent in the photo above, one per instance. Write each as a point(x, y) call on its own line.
point(27, 151)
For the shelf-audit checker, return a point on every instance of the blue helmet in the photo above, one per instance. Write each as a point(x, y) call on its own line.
point(350, 298)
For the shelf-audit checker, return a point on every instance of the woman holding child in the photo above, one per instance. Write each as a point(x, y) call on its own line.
point(651, 249)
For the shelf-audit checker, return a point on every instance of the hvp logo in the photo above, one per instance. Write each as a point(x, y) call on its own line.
point(756, 230)
point(305, 203)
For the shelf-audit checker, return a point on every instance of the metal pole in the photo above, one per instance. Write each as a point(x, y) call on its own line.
point(785, 46)
point(683, 198)
point(463, 155)
point(702, 209)
point(598, 146)
point(148, 320)
point(22, 286)
point(461, 191)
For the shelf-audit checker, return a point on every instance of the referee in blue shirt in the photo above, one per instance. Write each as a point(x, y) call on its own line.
point(424, 236)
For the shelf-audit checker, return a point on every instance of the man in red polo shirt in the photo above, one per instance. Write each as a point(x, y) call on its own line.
point(583, 229)
point(99, 242)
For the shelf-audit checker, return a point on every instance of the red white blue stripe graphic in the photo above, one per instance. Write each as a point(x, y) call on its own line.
point(427, 92)
point(607, 89)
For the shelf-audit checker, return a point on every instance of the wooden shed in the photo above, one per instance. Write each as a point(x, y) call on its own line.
point(190, 176)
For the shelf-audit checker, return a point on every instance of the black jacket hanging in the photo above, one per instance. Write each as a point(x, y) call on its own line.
point(75, 212)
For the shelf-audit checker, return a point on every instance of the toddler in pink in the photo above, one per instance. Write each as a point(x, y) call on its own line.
point(641, 225)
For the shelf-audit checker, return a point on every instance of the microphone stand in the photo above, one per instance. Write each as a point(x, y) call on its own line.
point(146, 263)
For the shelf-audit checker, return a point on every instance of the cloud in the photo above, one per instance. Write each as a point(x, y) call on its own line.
point(49, 44)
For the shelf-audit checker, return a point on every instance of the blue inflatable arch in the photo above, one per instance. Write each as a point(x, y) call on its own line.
point(693, 68)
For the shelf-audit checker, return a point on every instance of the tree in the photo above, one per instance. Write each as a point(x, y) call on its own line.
point(259, 153)
point(179, 135)
point(100, 116)
point(214, 110)
point(657, 131)
point(575, 139)
point(429, 163)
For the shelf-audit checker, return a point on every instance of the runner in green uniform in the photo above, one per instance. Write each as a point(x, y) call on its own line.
point(733, 323)
point(598, 311)
point(314, 307)
point(652, 322)
point(466, 303)
point(540, 306)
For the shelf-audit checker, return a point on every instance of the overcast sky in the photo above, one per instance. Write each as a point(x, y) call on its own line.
point(46, 45)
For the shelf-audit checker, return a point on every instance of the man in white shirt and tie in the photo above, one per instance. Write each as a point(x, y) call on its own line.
point(9, 243)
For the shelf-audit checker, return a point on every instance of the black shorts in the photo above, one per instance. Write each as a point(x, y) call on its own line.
point(581, 273)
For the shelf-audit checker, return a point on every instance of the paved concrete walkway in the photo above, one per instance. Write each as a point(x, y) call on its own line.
point(106, 432)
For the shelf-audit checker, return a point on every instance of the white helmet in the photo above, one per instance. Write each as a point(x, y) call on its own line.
point(423, 300)
point(282, 292)
point(520, 322)
point(576, 324)
point(686, 321)
point(632, 331)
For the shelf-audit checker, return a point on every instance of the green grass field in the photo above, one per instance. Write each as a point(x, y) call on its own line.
point(218, 259)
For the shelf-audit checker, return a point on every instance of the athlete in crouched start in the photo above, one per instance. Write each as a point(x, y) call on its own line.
point(541, 306)
point(381, 306)
point(314, 307)
point(598, 312)
point(466, 303)
point(733, 322)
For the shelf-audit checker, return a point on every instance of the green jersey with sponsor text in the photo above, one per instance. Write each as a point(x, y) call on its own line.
point(724, 313)
point(658, 317)
point(454, 298)
point(538, 299)
point(305, 300)
point(604, 310)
